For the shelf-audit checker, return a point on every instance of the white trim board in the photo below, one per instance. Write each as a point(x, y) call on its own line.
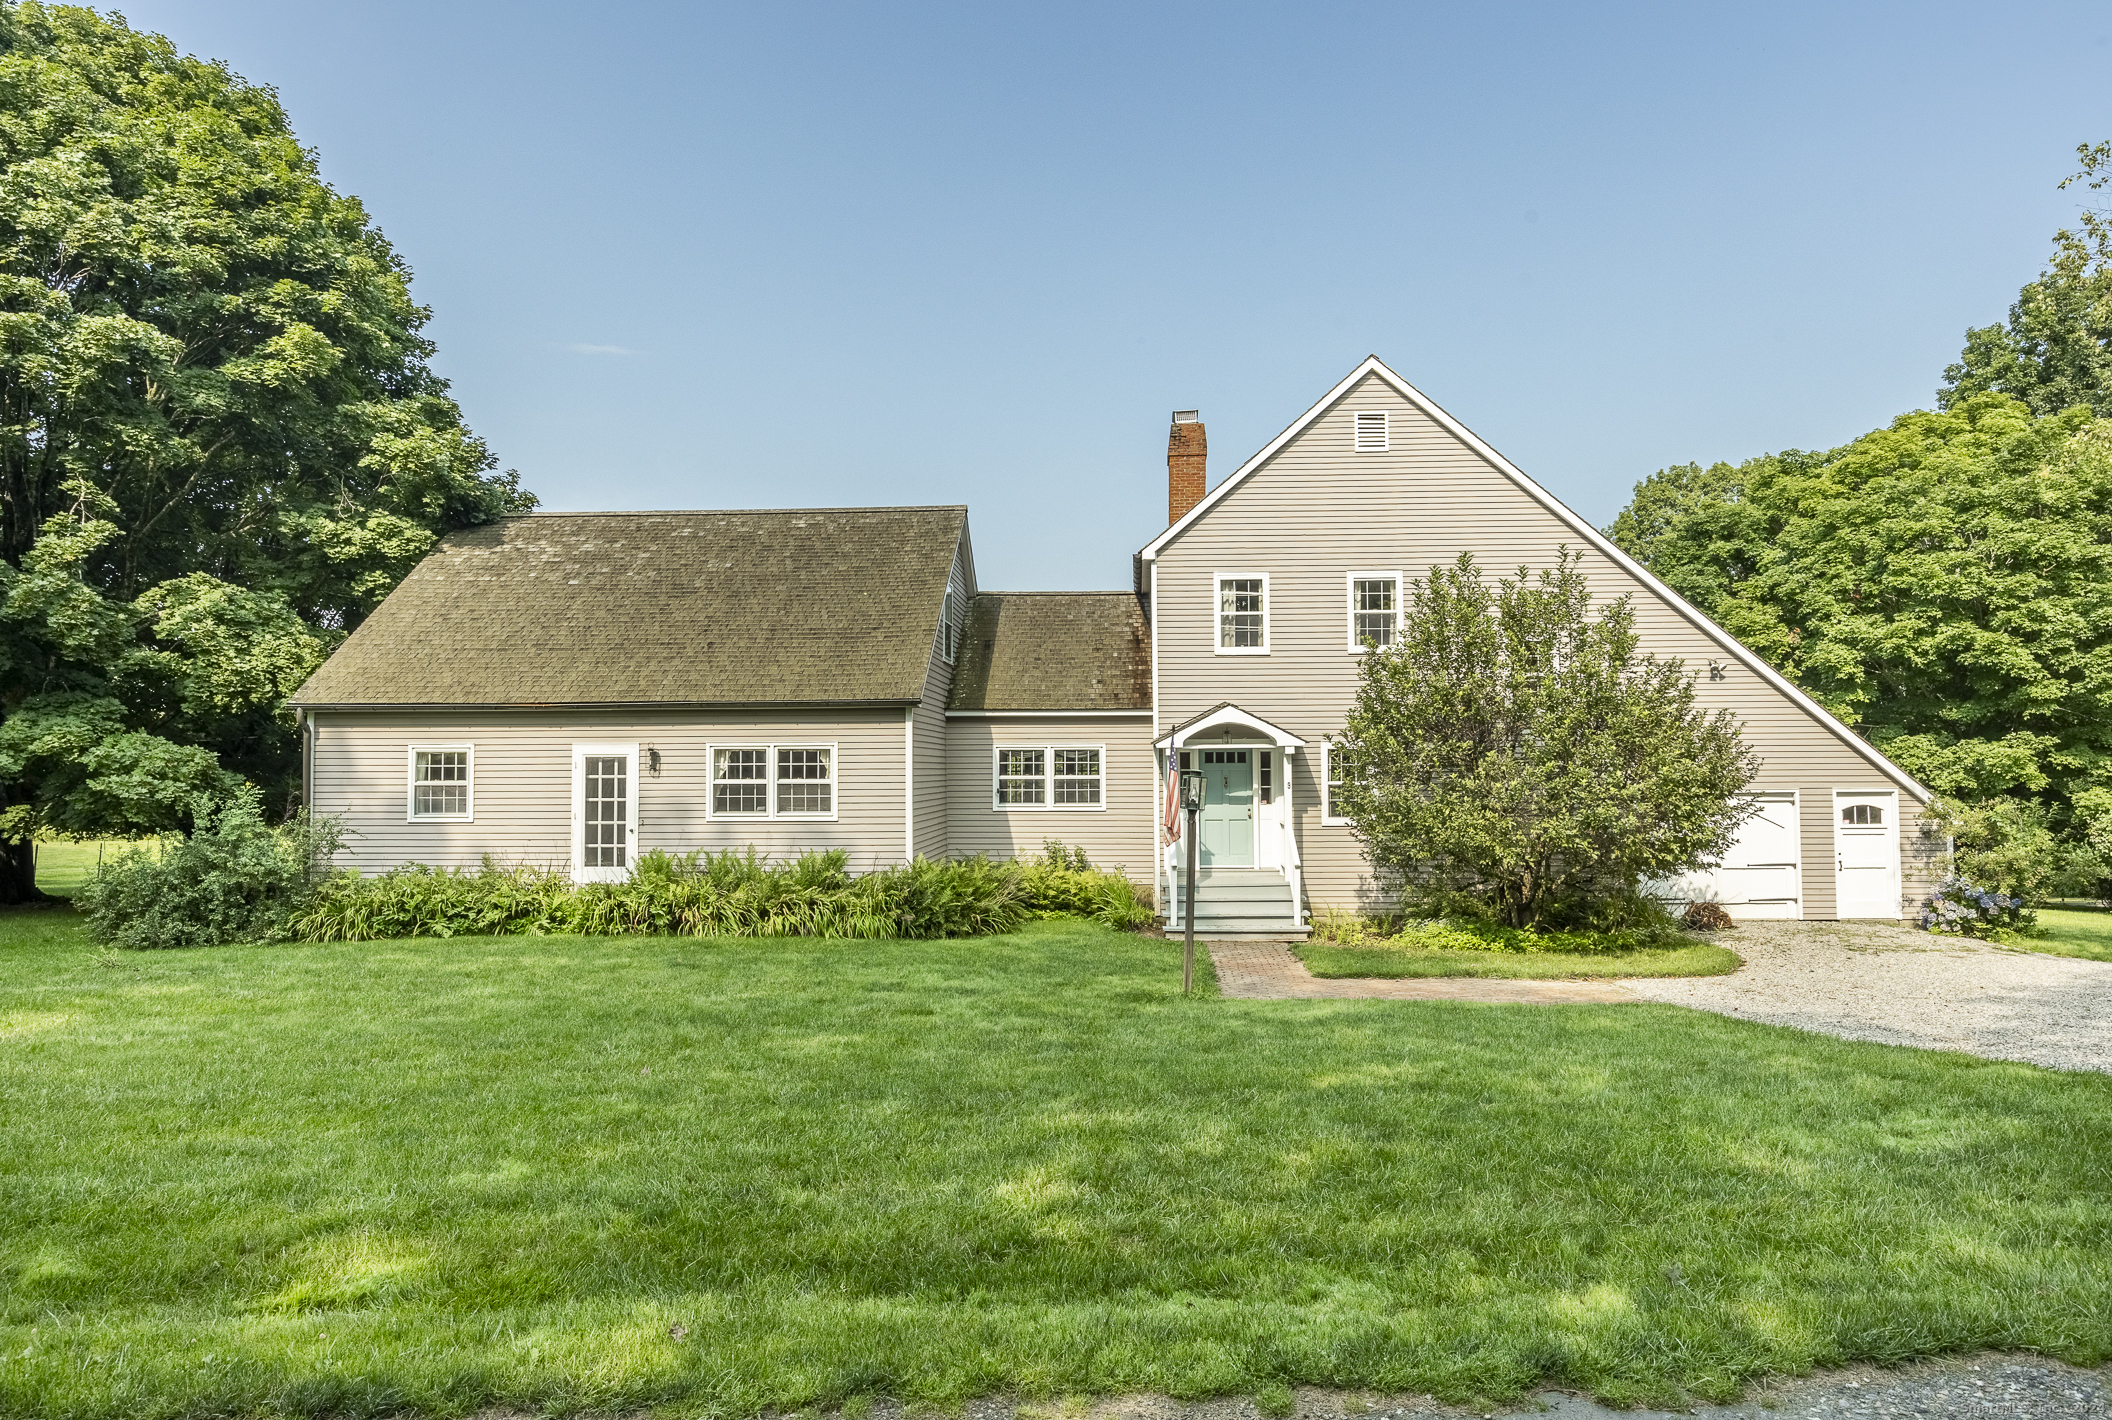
point(1045, 714)
point(1373, 365)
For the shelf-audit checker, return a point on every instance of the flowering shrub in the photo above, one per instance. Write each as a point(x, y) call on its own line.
point(1962, 907)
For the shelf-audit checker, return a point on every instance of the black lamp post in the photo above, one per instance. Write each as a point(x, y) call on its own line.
point(1192, 805)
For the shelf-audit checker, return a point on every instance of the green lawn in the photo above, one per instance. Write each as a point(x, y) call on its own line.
point(716, 1177)
point(2073, 932)
point(1382, 959)
point(63, 867)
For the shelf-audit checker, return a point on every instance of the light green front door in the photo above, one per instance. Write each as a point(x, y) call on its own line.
point(1228, 808)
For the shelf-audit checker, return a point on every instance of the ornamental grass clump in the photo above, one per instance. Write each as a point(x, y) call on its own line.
point(724, 894)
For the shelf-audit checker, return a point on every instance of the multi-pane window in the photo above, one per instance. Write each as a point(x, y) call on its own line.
point(1022, 776)
point(440, 783)
point(805, 782)
point(768, 781)
point(1372, 609)
point(1862, 814)
point(949, 635)
point(605, 825)
point(1077, 773)
point(1050, 776)
point(1330, 807)
point(740, 781)
point(1242, 613)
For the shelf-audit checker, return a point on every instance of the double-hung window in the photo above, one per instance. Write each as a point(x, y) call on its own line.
point(1331, 785)
point(1374, 609)
point(440, 783)
point(1049, 777)
point(1242, 614)
point(773, 781)
point(949, 635)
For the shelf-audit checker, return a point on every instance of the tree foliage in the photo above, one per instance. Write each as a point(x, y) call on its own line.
point(1944, 585)
point(1515, 752)
point(2055, 352)
point(221, 439)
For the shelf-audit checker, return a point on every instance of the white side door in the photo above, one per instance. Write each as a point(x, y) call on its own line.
point(1866, 852)
point(604, 812)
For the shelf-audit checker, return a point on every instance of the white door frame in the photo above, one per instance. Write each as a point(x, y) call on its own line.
point(1889, 800)
point(580, 753)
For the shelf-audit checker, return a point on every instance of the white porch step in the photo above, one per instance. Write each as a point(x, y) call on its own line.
point(1233, 903)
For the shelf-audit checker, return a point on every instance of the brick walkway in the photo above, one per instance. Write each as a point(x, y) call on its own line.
point(1266, 971)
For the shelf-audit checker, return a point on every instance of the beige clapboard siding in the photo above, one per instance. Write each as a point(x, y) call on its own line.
point(523, 783)
point(1119, 835)
point(1319, 510)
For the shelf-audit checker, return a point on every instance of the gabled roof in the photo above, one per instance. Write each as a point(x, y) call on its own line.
point(1054, 651)
point(1225, 713)
point(1372, 365)
point(805, 606)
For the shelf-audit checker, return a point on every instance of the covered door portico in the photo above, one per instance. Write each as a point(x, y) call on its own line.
point(1247, 828)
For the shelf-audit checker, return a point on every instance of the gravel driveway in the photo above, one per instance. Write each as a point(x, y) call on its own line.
point(1866, 981)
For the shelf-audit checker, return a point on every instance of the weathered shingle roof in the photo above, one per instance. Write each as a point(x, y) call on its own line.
point(1054, 651)
point(831, 606)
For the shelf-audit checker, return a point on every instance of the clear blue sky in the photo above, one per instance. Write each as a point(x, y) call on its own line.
point(785, 255)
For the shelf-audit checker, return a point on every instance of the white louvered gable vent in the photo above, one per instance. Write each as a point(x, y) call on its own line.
point(1371, 431)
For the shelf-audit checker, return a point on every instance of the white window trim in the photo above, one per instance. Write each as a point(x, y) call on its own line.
point(770, 810)
point(1356, 439)
point(949, 631)
point(1217, 613)
point(1349, 605)
point(410, 784)
point(1327, 771)
point(1048, 777)
point(581, 752)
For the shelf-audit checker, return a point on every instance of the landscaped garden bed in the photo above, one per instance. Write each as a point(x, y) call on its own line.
point(1345, 945)
point(556, 1173)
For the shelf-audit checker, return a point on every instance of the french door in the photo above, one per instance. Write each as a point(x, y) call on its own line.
point(604, 812)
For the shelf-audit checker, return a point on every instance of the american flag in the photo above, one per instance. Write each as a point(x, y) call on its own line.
point(1173, 796)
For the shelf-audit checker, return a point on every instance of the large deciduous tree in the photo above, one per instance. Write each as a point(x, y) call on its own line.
point(221, 439)
point(1513, 750)
point(1944, 585)
point(2055, 352)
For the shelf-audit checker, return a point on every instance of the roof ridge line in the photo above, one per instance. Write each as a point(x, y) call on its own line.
point(725, 512)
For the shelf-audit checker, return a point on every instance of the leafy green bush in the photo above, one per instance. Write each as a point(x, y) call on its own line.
point(2001, 845)
point(1348, 929)
point(234, 879)
point(1063, 882)
point(726, 894)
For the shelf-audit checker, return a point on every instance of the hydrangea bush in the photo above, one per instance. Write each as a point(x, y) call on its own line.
point(1962, 907)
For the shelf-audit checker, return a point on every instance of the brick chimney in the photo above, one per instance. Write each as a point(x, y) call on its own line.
point(1186, 452)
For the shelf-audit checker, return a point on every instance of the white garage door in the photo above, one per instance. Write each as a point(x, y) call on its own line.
point(1760, 876)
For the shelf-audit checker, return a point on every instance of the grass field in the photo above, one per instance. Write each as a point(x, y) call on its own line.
point(2073, 932)
point(63, 867)
point(1381, 959)
point(715, 1177)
